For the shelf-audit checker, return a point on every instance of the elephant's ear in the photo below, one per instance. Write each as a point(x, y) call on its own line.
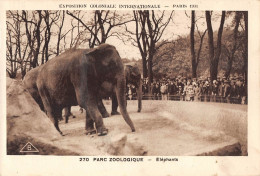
point(92, 54)
point(100, 52)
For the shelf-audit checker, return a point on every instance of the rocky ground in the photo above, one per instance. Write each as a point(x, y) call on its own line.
point(162, 128)
point(166, 128)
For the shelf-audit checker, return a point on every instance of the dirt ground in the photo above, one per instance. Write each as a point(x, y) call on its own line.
point(162, 128)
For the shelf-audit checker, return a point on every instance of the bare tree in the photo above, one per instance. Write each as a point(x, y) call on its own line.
point(100, 26)
point(49, 18)
point(245, 48)
point(149, 29)
point(214, 53)
point(61, 15)
point(18, 56)
point(33, 33)
point(195, 58)
point(230, 51)
point(10, 56)
point(141, 38)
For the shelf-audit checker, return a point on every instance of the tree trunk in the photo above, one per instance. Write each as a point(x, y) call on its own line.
point(214, 57)
point(234, 47)
point(38, 40)
point(229, 67)
point(144, 66)
point(150, 71)
point(192, 43)
point(245, 54)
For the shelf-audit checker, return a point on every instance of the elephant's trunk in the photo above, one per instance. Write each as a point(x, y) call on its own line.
point(139, 96)
point(120, 94)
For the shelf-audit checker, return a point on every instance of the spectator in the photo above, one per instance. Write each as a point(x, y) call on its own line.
point(197, 91)
point(144, 88)
point(226, 91)
point(133, 89)
point(164, 92)
point(130, 95)
point(214, 90)
point(221, 89)
point(244, 93)
point(233, 92)
point(171, 90)
point(183, 84)
point(189, 91)
point(240, 89)
point(155, 91)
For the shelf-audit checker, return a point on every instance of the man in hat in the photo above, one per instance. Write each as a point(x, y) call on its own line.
point(189, 91)
point(221, 89)
point(180, 86)
point(233, 91)
point(214, 90)
point(155, 91)
point(171, 90)
point(226, 91)
point(163, 90)
point(241, 90)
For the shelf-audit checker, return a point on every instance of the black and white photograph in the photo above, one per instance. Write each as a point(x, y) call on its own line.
point(111, 82)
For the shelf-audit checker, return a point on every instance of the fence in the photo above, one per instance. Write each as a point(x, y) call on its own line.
point(202, 98)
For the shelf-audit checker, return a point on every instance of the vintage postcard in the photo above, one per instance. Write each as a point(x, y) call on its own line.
point(130, 88)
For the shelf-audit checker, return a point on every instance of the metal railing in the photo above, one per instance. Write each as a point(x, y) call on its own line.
point(201, 98)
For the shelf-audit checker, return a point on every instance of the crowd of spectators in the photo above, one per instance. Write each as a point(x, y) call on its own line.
point(226, 90)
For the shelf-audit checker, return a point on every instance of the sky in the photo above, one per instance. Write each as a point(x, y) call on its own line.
point(179, 26)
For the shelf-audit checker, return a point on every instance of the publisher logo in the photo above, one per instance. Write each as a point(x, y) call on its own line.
point(29, 148)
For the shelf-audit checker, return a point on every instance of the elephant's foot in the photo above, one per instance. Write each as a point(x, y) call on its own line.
point(115, 113)
point(102, 131)
point(91, 131)
point(139, 110)
point(105, 115)
point(61, 118)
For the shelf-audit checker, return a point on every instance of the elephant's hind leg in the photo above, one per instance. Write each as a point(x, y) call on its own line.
point(53, 112)
point(102, 109)
point(57, 114)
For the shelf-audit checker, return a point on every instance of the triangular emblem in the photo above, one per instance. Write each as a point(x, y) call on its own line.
point(29, 148)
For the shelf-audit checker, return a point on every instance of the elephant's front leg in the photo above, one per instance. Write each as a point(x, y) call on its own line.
point(92, 109)
point(114, 105)
point(90, 129)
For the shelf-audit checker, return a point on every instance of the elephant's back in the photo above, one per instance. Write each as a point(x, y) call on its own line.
point(55, 77)
point(30, 78)
point(62, 64)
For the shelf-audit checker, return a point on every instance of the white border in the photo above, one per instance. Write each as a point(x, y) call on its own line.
point(69, 165)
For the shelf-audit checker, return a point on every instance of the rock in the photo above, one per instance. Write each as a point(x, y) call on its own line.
point(117, 144)
point(229, 150)
point(27, 123)
point(122, 144)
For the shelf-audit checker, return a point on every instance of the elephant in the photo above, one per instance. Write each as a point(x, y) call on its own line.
point(133, 76)
point(29, 82)
point(83, 77)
